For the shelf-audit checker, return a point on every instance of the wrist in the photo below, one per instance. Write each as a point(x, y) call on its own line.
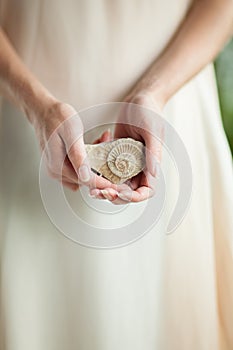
point(146, 98)
point(35, 101)
point(152, 89)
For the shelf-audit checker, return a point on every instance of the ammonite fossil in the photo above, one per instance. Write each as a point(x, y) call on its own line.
point(119, 160)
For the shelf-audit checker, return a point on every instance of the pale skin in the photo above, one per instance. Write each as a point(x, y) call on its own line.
point(204, 31)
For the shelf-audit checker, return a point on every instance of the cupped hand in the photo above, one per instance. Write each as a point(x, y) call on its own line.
point(59, 131)
point(136, 123)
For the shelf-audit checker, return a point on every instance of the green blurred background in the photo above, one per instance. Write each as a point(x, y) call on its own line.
point(224, 73)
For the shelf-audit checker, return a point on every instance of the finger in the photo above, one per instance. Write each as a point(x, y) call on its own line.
point(78, 158)
point(146, 187)
point(71, 186)
point(66, 172)
point(105, 137)
point(141, 194)
point(147, 180)
point(69, 172)
point(153, 154)
point(119, 131)
point(145, 190)
point(135, 181)
point(119, 201)
point(100, 182)
point(109, 194)
point(96, 193)
point(71, 133)
point(124, 197)
point(153, 135)
point(124, 193)
point(77, 154)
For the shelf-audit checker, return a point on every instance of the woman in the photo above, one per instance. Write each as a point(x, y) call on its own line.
point(57, 294)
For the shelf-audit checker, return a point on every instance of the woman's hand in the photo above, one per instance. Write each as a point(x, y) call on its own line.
point(200, 33)
point(60, 134)
point(150, 131)
point(58, 127)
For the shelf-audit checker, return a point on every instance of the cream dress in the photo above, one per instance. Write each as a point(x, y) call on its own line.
point(159, 293)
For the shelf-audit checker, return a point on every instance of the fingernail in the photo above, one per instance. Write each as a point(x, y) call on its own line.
point(84, 173)
point(94, 193)
point(123, 196)
point(107, 195)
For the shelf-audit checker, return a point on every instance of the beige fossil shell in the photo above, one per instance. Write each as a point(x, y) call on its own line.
point(119, 160)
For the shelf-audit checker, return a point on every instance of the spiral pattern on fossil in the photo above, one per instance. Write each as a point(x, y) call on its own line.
point(118, 160)
point(125, 159)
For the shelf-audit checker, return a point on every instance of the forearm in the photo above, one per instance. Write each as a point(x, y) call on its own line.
point(17, 83)
point(204, 31)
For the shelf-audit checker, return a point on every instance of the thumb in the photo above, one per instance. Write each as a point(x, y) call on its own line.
point(78, 158)
point(71, 132)
point(153, 155)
